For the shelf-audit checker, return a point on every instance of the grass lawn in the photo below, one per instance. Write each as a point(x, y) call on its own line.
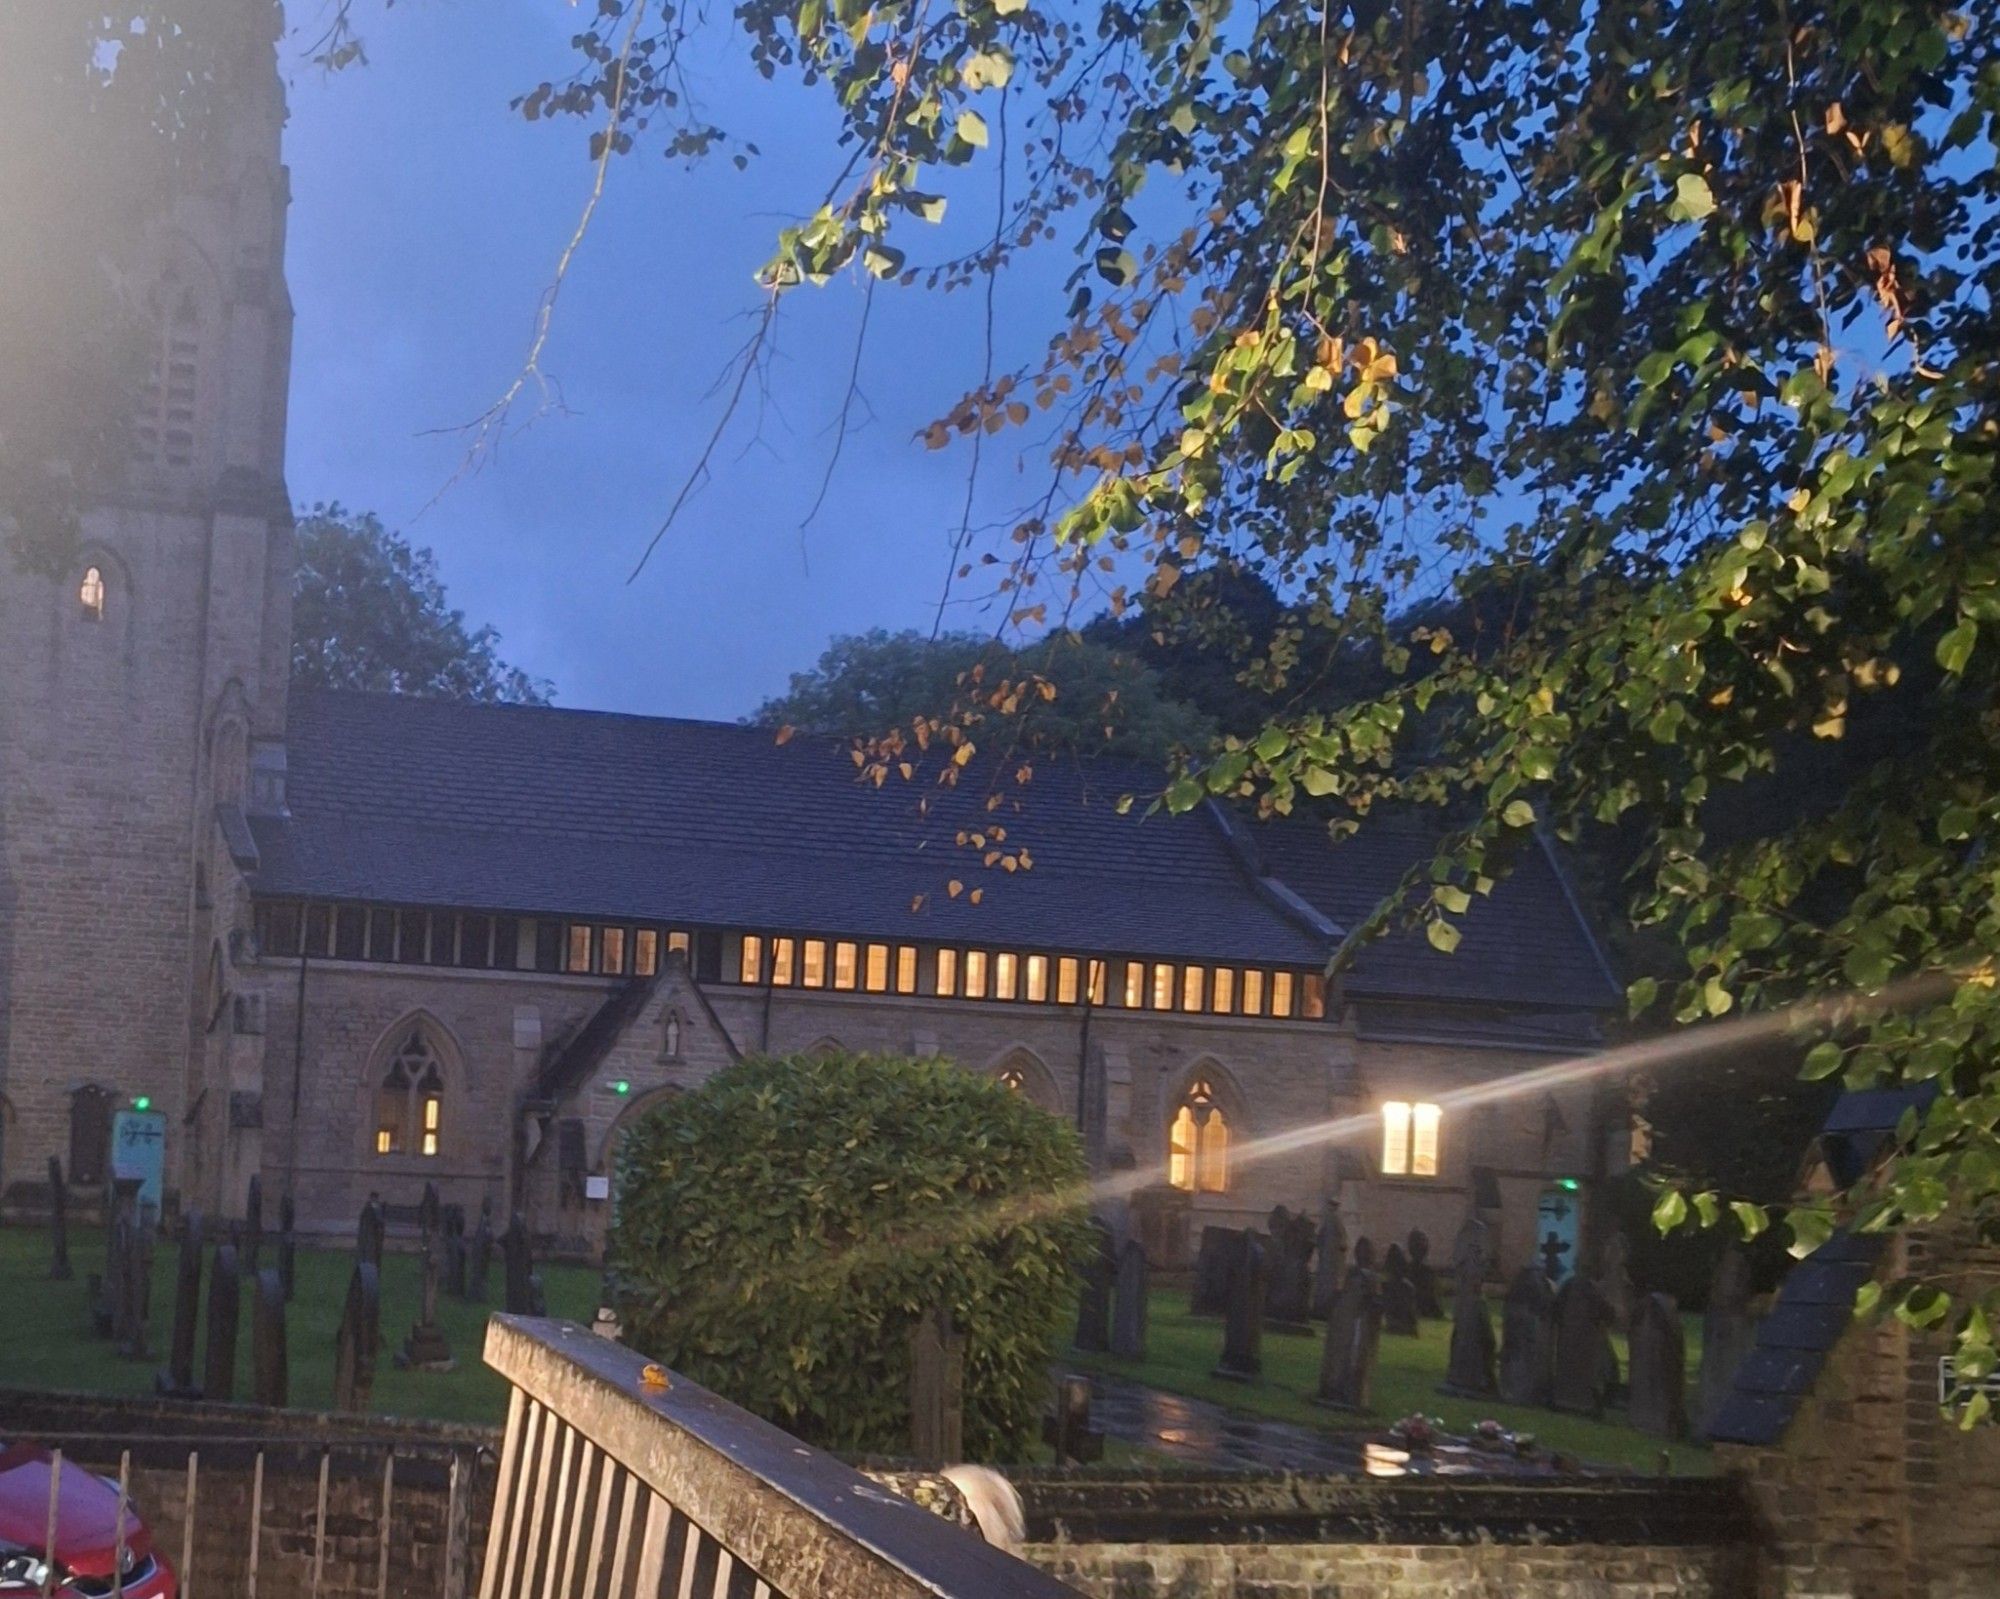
point(1182, 1351)
point(48, 1343)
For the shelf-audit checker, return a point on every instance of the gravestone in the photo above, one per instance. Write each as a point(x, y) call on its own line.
point(1614, 1278)
point(177, 1381)
point(1288, 1285)
point(1243, 1316)
point(1469, 1372)
point(1066, 1428)
point(1353, 1338)
point(359, 1338)
point(1129, 1303)
point(454, 1251)
point(1212, 1264)
point(1330, 1260)
point(135, 1286)
point(369, 1234)
point(937, 1391)
point(1423, 1279)
point(1093, 1310)
point(1528, 1339)
point(60, 1270)
point(1399, 1294)
point(288, 1246)
point(519, 1263)
point(269, 1372)
point(1728, 1331)
point(1586, 1366)
point(479, 1260)
point(225, 1303)
point(253, 1226)
point(1656, 1398)
point(538, 1302)
point(425, 1349)
point(107, 1288)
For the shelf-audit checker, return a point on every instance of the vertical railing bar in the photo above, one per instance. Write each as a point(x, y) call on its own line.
point(454, 1544)
point(653, 1545)
point(538, 1515)
point(49, 1543)
point(319, 1521)
point(118, 1533)
point(573, 1543)
point(623, 1543)
point(187, 1523)
point(607, 1482)
point(524, 1470)
point(256, 1519)
point(725, 1566)
point(553, 1559)
point(388, 1501)
point(503, 1485)
point(691, 1552)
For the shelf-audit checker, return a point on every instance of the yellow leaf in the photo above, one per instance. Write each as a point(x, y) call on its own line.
point(962, 754)
point(954, 888)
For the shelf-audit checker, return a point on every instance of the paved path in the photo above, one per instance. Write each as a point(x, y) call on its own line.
point(1198, 1432)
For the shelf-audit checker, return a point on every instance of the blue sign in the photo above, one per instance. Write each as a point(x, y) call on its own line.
point(139, 1149)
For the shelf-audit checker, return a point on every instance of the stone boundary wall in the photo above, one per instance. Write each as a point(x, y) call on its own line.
point(434, 1537)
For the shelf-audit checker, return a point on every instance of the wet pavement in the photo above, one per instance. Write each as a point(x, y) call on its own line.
point(1199, 1433)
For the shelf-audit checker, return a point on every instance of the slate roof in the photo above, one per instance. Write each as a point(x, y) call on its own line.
point(540, 811)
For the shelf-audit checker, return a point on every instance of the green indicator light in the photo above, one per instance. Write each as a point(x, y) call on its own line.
point(143, 1102)
point(1568, 1182)
point(621, 1087)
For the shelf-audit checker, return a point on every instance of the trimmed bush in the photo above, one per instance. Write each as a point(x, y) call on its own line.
point(781, 1228)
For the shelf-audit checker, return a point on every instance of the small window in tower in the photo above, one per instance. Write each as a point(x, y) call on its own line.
point(91, 593)
point(750, 964)
point(1410, 1138)
point(876, 977)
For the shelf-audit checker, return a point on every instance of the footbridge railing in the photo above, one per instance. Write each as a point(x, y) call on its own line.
point(620, 1481)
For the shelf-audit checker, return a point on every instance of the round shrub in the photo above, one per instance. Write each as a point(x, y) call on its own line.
point(781, 1228)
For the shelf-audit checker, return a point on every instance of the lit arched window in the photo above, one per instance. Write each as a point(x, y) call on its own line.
point(1198, 1142)
point(409, 1106)
point(90, 592)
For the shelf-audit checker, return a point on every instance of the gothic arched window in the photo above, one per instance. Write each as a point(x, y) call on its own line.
point(90, 593)
point(1198, 1142)
point(409, 1105)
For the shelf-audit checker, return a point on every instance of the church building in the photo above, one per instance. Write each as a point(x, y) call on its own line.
point(352, 944)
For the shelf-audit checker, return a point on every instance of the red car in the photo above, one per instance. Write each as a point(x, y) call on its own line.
point(86, 1534)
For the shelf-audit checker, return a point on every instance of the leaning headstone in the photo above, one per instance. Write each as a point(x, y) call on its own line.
point(359, 1338)
point(1469, 1370)
point(479, 1258)
point(288, 1246)
point(1528, 1339)
point(1614, 1278)
point(1727, 1333)
point(253, 1226)
point(1066, 1429)
point(1212, 1264)
point(454, 1251)
point(1129, 1303)
point(1093, 1310)
point(135, 1288)
point(1586, 1366)
point(270, 1374)
point(1288, 1286)
point(368, 1236)
point(225, 1303)
point(519, 1260)
point(1399, 1294)
point(425, 1349)
point(1243, 1317)
point(60, 1270)
point(107, 1288)
point(1353, 1338)
point(1656, 1399)
point(937, 1390)
point(1330, 1259)
point(177, 1381)
point(1423, 1278)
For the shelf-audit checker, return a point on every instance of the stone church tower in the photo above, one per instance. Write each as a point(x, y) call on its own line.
point(142, 693)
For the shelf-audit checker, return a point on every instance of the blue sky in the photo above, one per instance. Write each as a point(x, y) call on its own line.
point(426, 219)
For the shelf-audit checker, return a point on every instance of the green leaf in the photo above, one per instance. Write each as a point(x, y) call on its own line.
point(1822, 1060)
point(1750, 1219)
point(1455, 900)
point(1318, 781)
point(1442, 935)
point(1693, 199)
point(1184, 794)
point(1867, 1299)
point(990, 69)
point(1639, 996)
point(1519, 813)
point(972, 129)
point(1670, 1210)
point(1007, 8)
point(1271, 743)
point(1810, 1228)
point(1955, 648)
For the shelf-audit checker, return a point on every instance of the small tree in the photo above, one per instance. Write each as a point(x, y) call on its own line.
point(781, 1229)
